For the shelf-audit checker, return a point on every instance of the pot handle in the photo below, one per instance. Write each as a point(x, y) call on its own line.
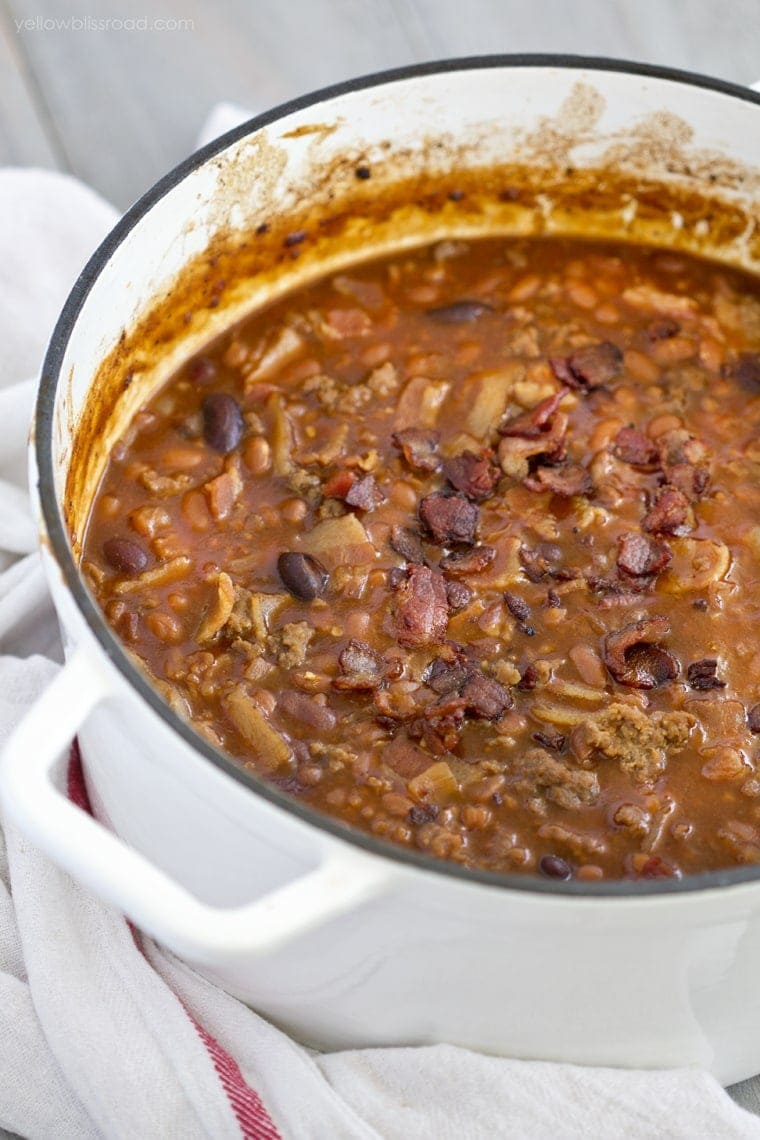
point(97, 858)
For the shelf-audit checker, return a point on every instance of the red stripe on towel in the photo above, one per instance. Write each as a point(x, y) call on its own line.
point(75, 785)
point(254, 1120)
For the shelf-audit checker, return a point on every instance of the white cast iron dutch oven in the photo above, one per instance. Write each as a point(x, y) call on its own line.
point(337, 936)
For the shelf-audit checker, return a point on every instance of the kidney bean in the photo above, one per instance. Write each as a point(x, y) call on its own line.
point(555, 867)
point(125, 555)
point(303, 575)
point(222, 422)
point(460, 312)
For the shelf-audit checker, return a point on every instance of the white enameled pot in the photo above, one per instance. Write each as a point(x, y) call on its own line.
point(338, 937)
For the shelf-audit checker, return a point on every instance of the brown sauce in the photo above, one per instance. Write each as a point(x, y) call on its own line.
point(461, 546)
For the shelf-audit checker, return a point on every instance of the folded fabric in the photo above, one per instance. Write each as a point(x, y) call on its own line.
point(104, 1033)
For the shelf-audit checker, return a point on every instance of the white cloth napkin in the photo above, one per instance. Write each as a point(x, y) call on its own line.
point(104, 1034)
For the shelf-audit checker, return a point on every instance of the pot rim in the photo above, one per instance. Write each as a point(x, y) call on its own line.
point(109, 644)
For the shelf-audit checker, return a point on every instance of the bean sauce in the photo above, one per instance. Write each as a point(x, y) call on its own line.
point(462, 546)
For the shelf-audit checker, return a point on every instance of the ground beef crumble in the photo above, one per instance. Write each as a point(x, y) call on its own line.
point(641, 743)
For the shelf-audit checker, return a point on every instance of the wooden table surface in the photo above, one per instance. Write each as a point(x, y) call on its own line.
point(118, 106)
point(115, 92)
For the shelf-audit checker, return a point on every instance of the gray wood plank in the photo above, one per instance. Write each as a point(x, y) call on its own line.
point(24, 137)
point(128, 105)
point(698, 35)
point(747, 1094)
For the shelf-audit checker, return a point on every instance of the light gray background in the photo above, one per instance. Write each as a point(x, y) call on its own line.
point(119, 107)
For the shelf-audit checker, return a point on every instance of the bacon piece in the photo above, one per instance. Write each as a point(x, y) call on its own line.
point(701, 675)
point(639, 556)
point(444, 676)
point(536, 422)
point(685, 462)
point(691, 481)
point(419, 448)
point(464, 689)
point(745, 369)
point(663, 329)
point(338, 485)
point(554, 742)
point(516, 451)
point(670, 514)
point(590, 367)
point(484, 697)
point(421, 607)
point(540, 431)
point(365, 494)
point(474, 475)
point(603, 586)
point(459, 595)
point(634, 658)
point(361, 668)
point(560, 366)
point(449, 518)
point(529, 679)
point(407, 543)
point(543, 562)
point(440, 724)
point(568, 480)
point(463, 562)
point(632, 446)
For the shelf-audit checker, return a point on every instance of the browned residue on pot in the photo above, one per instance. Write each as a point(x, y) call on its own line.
point(552, 139)
point(413, 197)
point(321, 129)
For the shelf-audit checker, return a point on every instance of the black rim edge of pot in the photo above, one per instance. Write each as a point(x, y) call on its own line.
point(59, 543)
